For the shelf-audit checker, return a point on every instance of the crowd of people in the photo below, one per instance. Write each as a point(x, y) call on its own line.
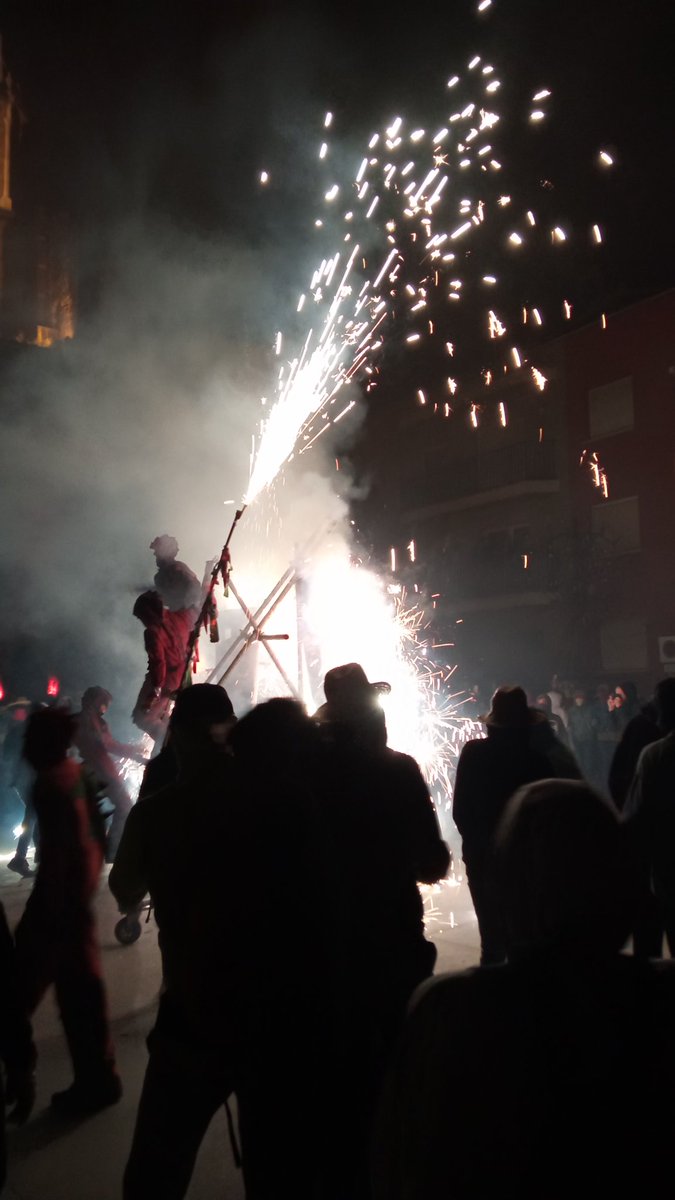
point(356, 1073)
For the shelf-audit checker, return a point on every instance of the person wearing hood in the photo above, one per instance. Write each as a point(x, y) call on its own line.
point(98, 749)
point(517, 1081)
point(166, 638)
point(489, 771)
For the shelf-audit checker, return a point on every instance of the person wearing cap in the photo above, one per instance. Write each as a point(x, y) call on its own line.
point(166, 639)
point(178, 586)
point(98, 749)
point(489, 771)
point(552, 1074)
point(380, 840)
point(188, 1076)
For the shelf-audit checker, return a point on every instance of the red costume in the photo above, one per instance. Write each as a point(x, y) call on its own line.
point(56, 937)
point(166, 640)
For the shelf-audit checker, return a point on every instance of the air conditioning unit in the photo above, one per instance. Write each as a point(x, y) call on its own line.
point(667, 649)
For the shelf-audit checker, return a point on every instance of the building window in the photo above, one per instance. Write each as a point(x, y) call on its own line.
point(610, 408)
point(616, 526)
point(623, 645)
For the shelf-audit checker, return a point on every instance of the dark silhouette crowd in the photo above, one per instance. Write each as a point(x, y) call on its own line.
point(297, 977)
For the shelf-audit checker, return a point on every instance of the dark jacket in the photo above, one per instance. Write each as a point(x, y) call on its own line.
point(489, 771)
point(515, 1081)
point(650, 816)
point(640, 731)
point(178, 586)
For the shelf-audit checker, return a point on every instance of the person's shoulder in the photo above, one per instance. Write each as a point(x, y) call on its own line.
point(459, 990)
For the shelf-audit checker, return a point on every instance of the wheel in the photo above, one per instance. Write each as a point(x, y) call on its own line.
point(128, 930)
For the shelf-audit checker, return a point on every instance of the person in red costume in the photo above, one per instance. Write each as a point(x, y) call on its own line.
point(98, 750)
point(166, 641)
point(56, 938)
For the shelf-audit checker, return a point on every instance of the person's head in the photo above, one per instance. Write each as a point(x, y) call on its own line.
point(48, 737)
point(97, 700)
point(544, 702)
point(149, 608)
point(509, 710)
point(626, 695)
point(165, 548)
point(352, 700)
point(201, 721)
point(273, 733)
point(579, 697)
point(664, 699)
point(563, 869)
point(19, 710)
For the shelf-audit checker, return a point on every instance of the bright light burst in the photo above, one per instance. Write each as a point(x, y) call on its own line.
point(354, 616)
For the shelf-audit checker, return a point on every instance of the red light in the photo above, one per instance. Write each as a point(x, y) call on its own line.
point(2, 691)
point(53, 686)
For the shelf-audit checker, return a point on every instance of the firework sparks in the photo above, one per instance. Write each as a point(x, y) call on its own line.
point(404, 210)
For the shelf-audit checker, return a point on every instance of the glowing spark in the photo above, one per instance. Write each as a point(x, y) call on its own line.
point(452, 385)
point(324, 150)
point(531, 219)
point(503, 419)
point(515, 239)
point(559, 234)
point(493, 85)
point(537, 115)
point(483, 5)
point(567, 307)
point(277, 347)
point(413, 337)
point(473, 413)
point(525, 561)
point(264, 177)
point(516, 356)
point(489, 279)
point(537, 316)
point(301, 303)
point(421, 397)
point(539, 379)
point(392, 557)
point(474, 62)
point(603, 321)
point(327, 120)
point(495, 327)
point(597, 233)
point(332, 192)
point(411, 550)
point(461, 229)
point(606, 159)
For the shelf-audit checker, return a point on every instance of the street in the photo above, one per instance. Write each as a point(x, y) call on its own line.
point(50, 1159)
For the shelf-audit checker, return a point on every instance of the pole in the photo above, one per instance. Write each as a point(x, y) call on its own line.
point(222, 567)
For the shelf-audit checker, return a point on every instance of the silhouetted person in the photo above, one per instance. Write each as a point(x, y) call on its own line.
point(17, 1052)
point(178, 586)
point(56, 937)
point(640, 731)
point(204, 937)
point(98, 750)
point(166, 640)
point(650, 817)
point(544, 703)
point(489, 771)
point(516, 1081)
point(543, 739)
point(582, 731)
point(381, 838)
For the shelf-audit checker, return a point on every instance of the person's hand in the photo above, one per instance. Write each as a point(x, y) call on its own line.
point(20, 1094)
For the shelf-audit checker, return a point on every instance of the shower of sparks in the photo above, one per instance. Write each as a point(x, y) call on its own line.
point(404, 212)
point(354, 617)
point(598, 474)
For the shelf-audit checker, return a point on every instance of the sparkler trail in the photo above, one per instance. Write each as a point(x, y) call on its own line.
point(426, 210)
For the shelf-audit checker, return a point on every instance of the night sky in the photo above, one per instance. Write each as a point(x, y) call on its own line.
point(173, 109)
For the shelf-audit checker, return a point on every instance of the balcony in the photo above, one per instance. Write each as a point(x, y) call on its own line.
point(517, 467)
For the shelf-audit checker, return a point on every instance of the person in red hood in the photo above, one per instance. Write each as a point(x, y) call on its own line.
point(98, 750)
point(56, 938)
point(166, 641)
